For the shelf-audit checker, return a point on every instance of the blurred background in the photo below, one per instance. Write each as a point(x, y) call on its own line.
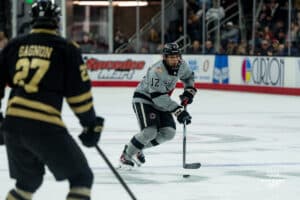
point(233, 27)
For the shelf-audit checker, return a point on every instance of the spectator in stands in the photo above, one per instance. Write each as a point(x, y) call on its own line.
point(119, 39)
point(215, 13)
point(265, 49)
point(294, 32)
point(3, 40)
point(153, 40)
point(267, 33)
point(209, 48)
point(264, 17)
point(275, 46)
point(293, 50)
point(194, 25)
point(231, 47)
point(241, 49)
point(195, 48)
point(280, 50)
point(101, 44)
point(281, 36)
point(231, 33)
point(87, 45)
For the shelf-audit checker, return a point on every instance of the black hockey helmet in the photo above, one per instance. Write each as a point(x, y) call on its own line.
point(171, 49)
point(45, 14)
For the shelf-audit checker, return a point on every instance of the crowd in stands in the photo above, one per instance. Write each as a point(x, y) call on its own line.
point(271, 31)
point(271, 36)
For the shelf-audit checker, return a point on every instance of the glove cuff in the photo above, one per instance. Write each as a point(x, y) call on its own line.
point(177, 111)
point(96, 127)
point(191, 90)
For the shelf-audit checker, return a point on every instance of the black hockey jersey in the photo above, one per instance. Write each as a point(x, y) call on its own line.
point(42, 68)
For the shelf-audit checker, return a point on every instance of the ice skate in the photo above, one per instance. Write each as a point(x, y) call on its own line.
point(125, 161)
point(139, 158)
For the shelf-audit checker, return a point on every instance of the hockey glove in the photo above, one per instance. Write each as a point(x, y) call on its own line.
point(182, 115)
point(1, 135)
point(91, 135)
point(187, 96)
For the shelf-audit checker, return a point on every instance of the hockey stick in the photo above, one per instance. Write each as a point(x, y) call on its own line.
point(116, 173)
point(184, 164)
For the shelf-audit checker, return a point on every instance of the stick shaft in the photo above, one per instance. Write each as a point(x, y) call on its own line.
point(184, 164)
point(116, 173)
point(184, 143)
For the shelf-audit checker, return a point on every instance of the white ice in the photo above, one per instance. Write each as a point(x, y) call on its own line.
point(248, 144)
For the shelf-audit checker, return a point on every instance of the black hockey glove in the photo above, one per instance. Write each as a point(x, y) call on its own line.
point(1, 135)
point(182, 115)
point(187, 96)
point(91, 135)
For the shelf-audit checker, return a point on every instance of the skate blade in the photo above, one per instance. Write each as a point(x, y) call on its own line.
point(124, 167)
point(138, 163)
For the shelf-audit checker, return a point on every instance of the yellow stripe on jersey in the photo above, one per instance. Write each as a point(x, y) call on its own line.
point(33, 105)
point(20, 112)
point(41, 30)
point(80, 98)
point(83, 108)
point(10, 197)
point(80, 190)
point(75, 44)
point(24, 194)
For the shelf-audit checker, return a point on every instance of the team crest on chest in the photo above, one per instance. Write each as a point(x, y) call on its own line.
point(152, 115)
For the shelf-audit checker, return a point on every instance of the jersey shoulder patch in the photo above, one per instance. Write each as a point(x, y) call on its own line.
point(158, 70)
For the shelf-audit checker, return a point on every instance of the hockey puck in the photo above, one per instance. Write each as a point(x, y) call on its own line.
point(186, 175)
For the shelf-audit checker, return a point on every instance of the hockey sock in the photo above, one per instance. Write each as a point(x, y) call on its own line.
point(17, 194)
point(133, 147)
point(79, 193)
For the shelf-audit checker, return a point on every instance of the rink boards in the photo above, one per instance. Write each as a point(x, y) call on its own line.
point(278, 75)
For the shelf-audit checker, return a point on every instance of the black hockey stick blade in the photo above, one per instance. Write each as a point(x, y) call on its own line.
point(192, 165)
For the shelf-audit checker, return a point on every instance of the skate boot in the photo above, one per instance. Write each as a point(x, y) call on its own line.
point(125, 161)
point(140, 158)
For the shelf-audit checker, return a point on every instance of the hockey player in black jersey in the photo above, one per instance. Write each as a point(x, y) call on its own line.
point(42, 68)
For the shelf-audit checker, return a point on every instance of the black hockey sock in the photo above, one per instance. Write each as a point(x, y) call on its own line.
point(154, 142)
point(17, 194)
point(137, 144)
point(79, 193)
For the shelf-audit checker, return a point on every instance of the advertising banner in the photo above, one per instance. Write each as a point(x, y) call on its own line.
point(263, 71)
point(131, 67)
point(118, 67)
point(202, 66)
point(221, 69)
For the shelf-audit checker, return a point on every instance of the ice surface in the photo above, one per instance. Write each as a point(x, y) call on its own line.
point(248, 144)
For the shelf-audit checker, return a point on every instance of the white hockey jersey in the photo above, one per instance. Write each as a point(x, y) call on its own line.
point(157, 86)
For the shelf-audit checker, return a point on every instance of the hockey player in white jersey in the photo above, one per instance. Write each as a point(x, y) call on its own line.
point(154, 107)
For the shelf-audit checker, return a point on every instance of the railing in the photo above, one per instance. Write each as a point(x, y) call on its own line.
point(180, 42)
point(232, 6)
point(155, 20)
